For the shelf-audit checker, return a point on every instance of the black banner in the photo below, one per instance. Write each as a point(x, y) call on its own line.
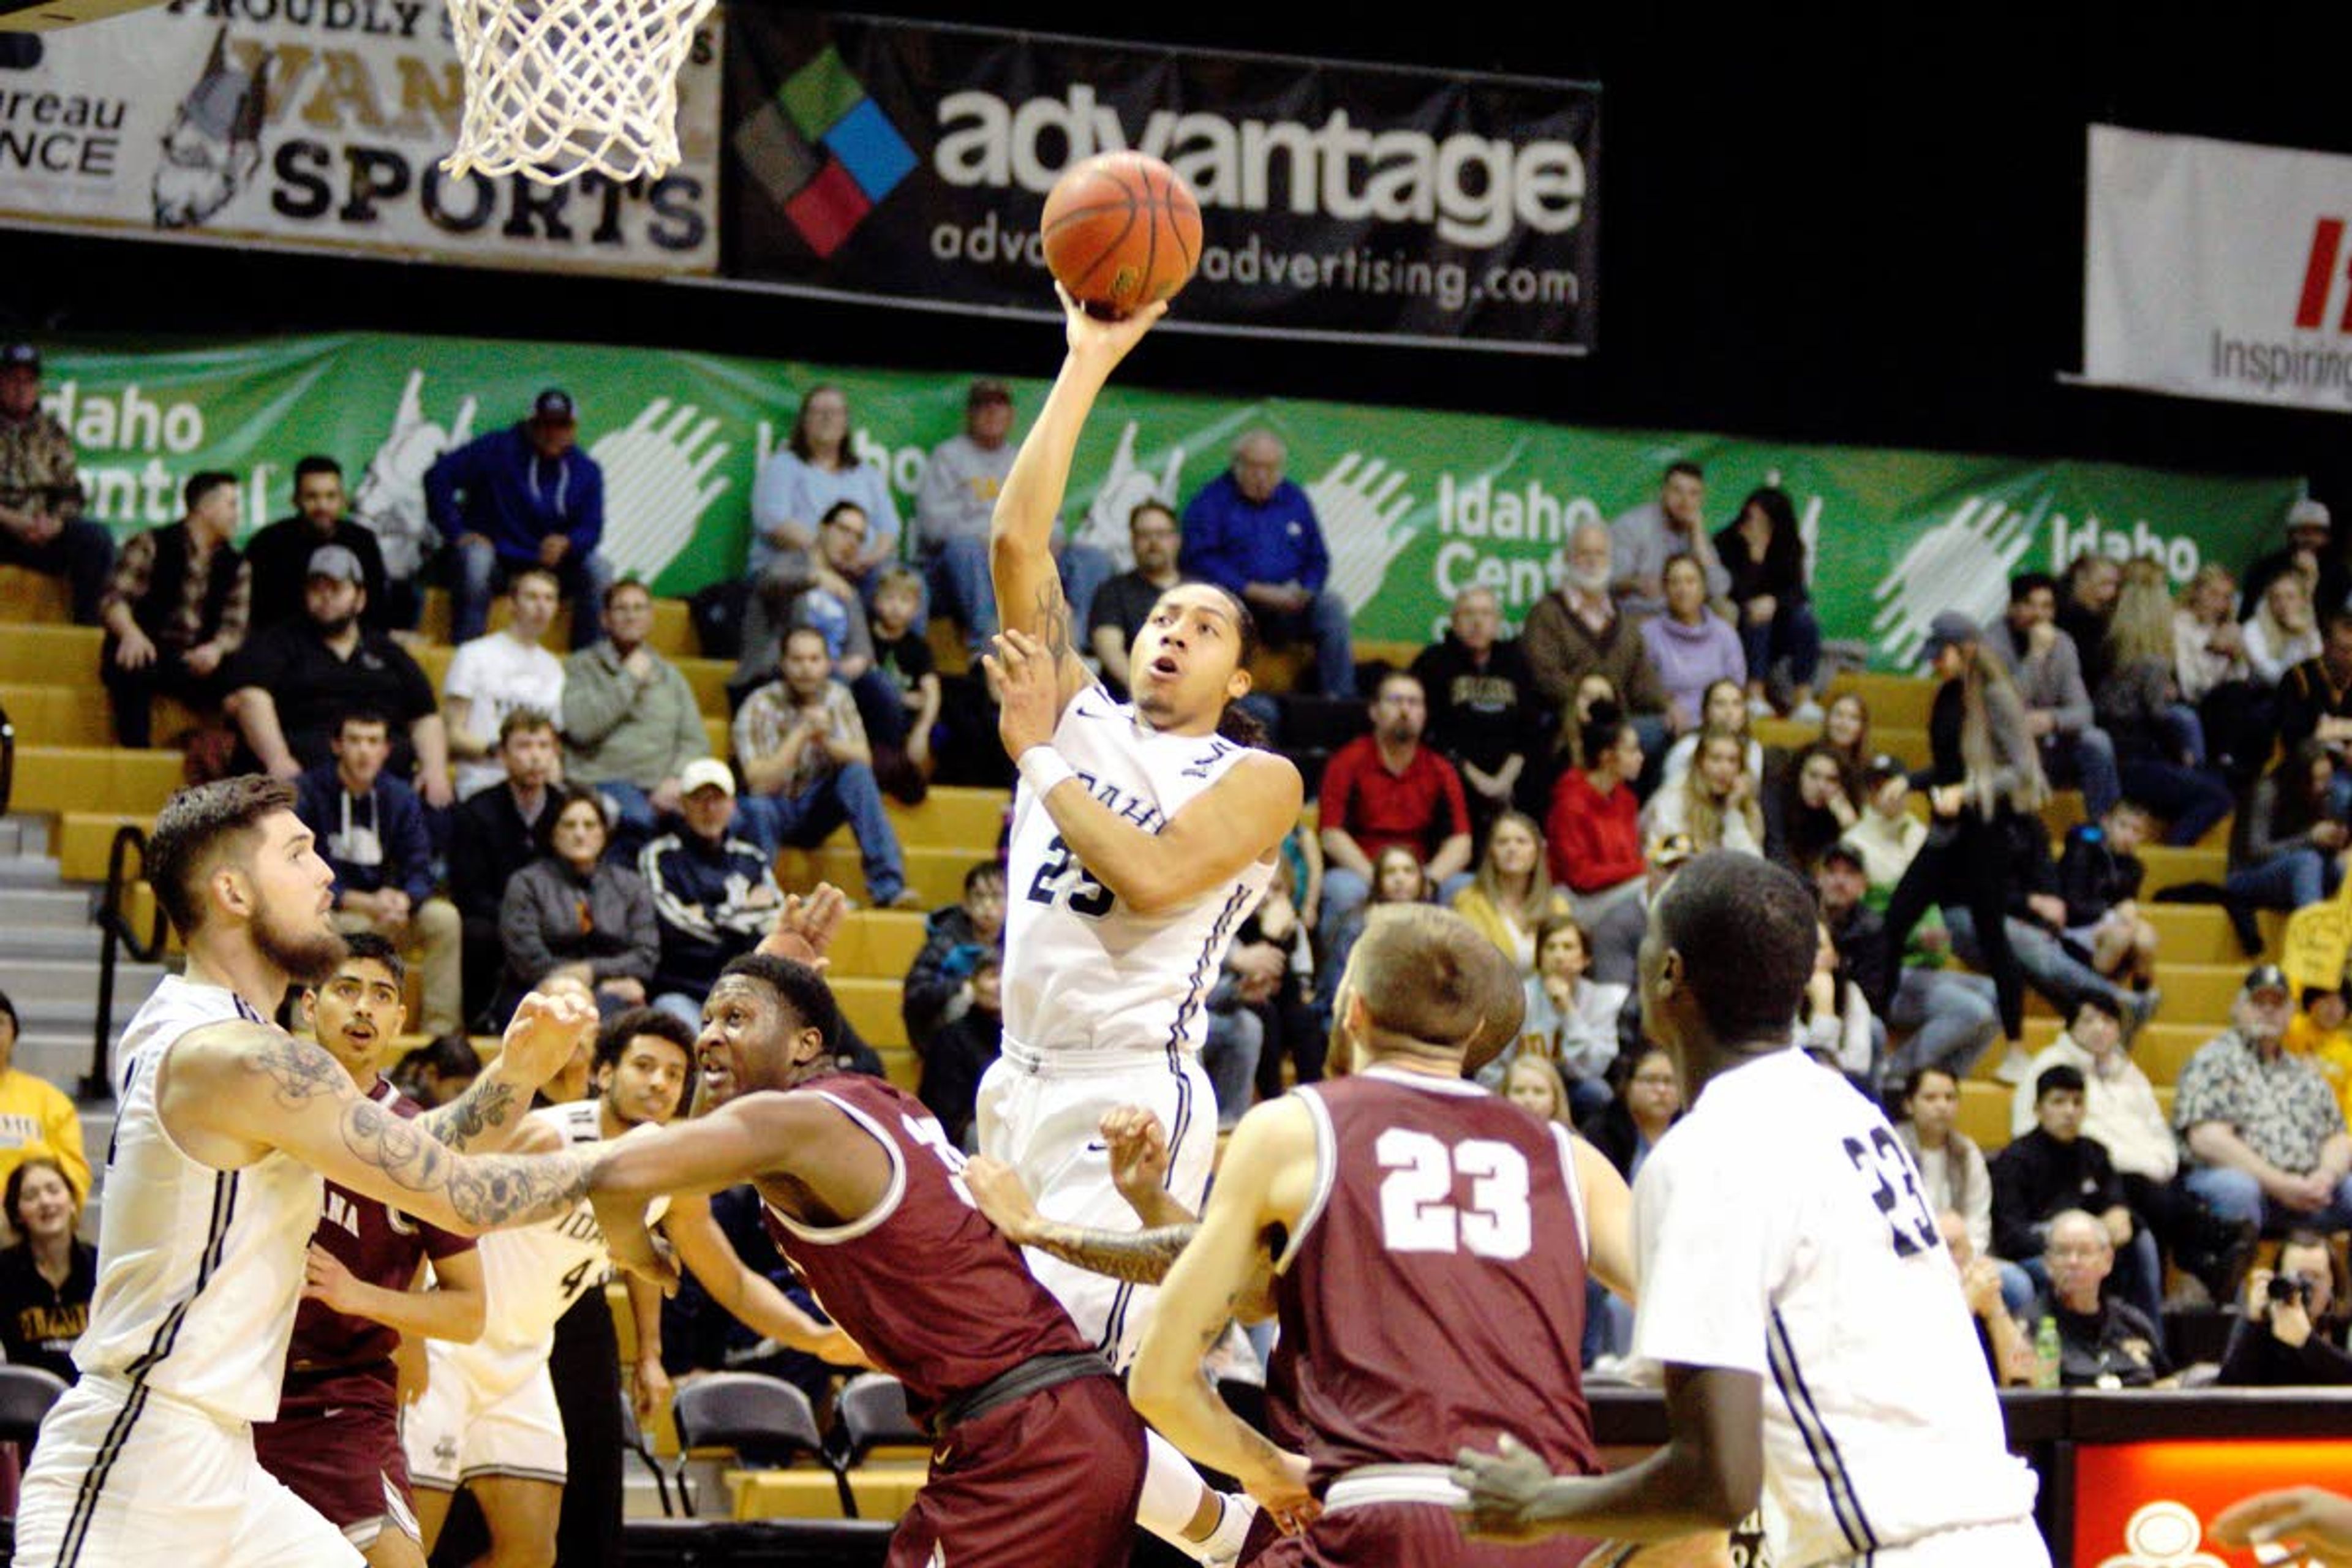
point(908, 162)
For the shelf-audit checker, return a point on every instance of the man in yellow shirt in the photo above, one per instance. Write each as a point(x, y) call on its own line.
point(35, 1117)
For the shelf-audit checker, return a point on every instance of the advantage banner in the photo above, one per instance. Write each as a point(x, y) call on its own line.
point(323, 123)
point(1416, 505)
point(2219, 270)
point(909, 162)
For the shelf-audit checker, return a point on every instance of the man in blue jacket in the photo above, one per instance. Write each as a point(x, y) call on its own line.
point(1252, 533)
point(523, 495)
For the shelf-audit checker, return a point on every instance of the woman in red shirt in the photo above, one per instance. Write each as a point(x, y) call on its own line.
point(1594, 827)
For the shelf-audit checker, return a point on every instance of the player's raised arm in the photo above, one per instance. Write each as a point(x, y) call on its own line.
point(1029, 508)
point(486, 1118)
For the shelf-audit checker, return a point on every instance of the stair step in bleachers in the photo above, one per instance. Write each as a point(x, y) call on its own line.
point(32, 596)
point(2192, 992)
point(1985, 1111)
point(883, 1492)
point(2162, 1049)
point(102, 779)
point(672, 636)
point(1895, 701)
point(2202, 934)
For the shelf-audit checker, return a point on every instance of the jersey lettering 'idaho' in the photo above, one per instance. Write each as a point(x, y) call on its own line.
point(924, 1284)
point(1433, 1295)
point(1086, 972)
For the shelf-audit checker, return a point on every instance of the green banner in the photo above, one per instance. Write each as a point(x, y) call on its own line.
point(1415, 504)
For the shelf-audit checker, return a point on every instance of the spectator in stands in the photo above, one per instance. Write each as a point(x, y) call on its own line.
point(2291, 1331)
point(498, 673)
point(630, 722)
point(1386, 789)
point(2085, 610)
point(2283, 631)
point(1715, 804)
point(2314, 697)
point(1690, 646)
point(1643, 540)
point(2264, 1136)
point(960, 1052)
point(493, 834)
point(2159, 743)
point(906, 684)
point(1764, 556)
point(1483, 713)
point(370, 828)
point(2009, 1355)
point(2309, 554)
point(803, 753)
point(290, 686)
point(1124, 603)
point(1954, 1175)
point(48, 1276)
point(438, 1071)
point(1571, 1019)
point(818, 467)
point(1533, 1085)
point(1397, 878)
point(2318, 1032)
point(1834, 1024)
point(1648, 1101)
point(2099, 876)
point(1595, 821)
point(1234, 1044)
point(953, 505)
point(41, 525)
point(2055, 1167)
point(2047, 667)
point(1511, 893)
point(2210, 668)
point(1845, 726)
point(280, 553)
point(573, 910)
point(1578, 630)
point(2102, 1343)
point(1724, 707)
point(1810, 809)
point(177, 607)
point(36, 1116)
point(1252, 533)
point(714, 891)
point(937, 987)
point(1886, 835)
point(1274, 942)
point(1617, 935)
point(1950, 1017)
point(2287, 849)
point(523, 495)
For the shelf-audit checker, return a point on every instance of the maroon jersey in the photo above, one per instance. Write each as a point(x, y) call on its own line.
point(1434, 1297)
point(379, 1246)
point(924, 1283)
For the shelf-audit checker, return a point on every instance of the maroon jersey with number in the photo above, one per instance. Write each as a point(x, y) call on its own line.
point(1434, 1297)
point(924, 1283)
point(379, 1246)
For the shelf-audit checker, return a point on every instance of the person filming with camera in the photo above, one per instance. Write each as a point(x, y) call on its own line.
point(2292, 1331)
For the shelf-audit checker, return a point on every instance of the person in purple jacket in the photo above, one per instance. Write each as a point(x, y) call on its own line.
point(1690, 646)
point(1252, 533)
point(523, 495)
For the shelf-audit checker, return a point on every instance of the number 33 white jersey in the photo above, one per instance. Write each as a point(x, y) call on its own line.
point(1082, 970)
point(1781, 1231)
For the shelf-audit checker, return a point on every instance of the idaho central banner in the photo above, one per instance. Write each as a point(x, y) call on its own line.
point(909, 162)
point(322, 121)
point(1415, 505)
point(2219, 270)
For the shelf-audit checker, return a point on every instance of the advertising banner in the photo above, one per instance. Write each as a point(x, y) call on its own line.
point(323, 122)
point(909, 162)
point(2219, 270)
point(2143, 1505)
point(1415, 505)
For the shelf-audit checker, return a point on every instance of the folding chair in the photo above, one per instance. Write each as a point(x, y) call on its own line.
point(633, 1441)
point(764, 1419)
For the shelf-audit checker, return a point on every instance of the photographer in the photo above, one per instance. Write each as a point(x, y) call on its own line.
point(2292, 1332)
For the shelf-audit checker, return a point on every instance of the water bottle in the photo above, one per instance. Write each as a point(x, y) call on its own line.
point(2045, 1352)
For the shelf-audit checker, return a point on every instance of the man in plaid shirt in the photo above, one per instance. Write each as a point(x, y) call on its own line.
point(177, 608)
point(2264, 1136)
point(40, 492)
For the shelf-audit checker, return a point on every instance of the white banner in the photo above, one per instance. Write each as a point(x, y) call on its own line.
point(323, 123)
point(2219, 270)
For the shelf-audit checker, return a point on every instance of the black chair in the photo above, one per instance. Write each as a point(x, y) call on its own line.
point(633, 1441)
point(767, 1422)
point(869, 1413)
point(26, 1394)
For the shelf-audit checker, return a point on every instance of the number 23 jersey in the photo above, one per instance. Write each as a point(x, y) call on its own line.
point(1781, 1231)
point(1083, 970)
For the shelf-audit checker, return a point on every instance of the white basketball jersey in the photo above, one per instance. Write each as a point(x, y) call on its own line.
point(530, 1276)
point(1782, 1231)
point(1083, 972)
point(199, 1270)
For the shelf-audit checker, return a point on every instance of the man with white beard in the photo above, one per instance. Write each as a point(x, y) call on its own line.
point(1577, 630)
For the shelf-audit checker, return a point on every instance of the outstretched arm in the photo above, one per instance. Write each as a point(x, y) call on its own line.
point(1029, 507)
point(537, 1047)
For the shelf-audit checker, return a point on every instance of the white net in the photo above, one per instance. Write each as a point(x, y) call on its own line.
point(557, 89)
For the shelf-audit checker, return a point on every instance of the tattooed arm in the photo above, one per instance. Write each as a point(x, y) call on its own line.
point(1029, 507)
point(1265, 1183)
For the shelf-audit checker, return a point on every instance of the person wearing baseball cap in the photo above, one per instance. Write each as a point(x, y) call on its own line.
point(1949, 1018)
point(715, 893)
point(523, 495)
point(41, 525)
point(2310, 550)
point(2265, 1138)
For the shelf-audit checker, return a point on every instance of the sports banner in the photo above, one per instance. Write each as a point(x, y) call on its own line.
point(907, 162)
point(1415, 505)
point(323, 122)
point(2219, 270)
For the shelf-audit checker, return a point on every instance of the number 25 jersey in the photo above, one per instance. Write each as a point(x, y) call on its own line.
point(1082, 971)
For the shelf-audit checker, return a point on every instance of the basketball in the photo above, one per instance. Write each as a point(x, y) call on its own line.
point(1120, 231)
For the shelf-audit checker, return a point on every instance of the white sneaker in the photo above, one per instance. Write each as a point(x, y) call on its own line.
point(1223, 1547)
point(2015, 1066)
point(1758, 709)
point(1806, 712)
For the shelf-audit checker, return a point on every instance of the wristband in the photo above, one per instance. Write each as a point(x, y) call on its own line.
point(1042, 768)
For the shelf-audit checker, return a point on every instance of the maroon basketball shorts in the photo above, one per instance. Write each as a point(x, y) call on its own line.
point(336, 1445)
point(1389, 1534)
point(1052, 1478)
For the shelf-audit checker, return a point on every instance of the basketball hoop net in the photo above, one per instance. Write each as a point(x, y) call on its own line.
point(557, 89)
